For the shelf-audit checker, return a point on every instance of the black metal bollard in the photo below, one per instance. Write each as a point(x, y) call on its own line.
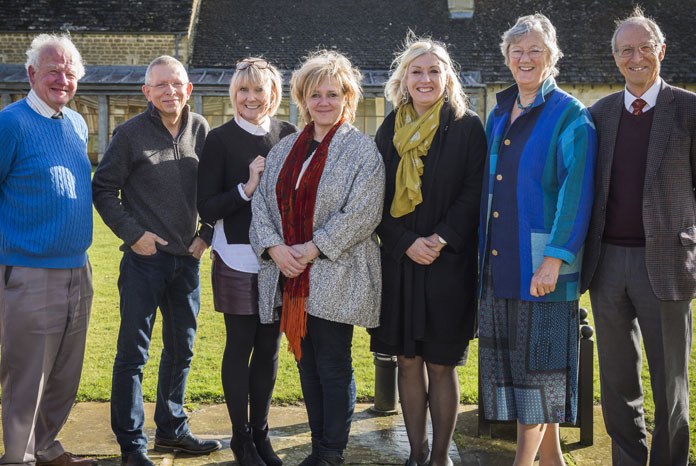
point(586, 381)
point(386, 396)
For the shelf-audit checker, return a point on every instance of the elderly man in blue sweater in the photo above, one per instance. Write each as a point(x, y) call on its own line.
point(45, 277)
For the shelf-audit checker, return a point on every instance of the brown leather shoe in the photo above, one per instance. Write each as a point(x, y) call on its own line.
point(68, 459)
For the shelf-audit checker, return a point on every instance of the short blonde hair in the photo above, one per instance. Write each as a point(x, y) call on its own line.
point(526, 24)
point(319, 66)
point(396, 91)
point(251, 76)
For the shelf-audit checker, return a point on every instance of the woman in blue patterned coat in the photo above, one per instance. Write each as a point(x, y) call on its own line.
point(313, 218)
point(535, 210)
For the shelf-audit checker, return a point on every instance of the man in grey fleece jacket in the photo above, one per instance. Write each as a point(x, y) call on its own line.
point(145, 191)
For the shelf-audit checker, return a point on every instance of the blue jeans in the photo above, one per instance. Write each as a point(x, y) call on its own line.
point(328, 386)
point(144, 284)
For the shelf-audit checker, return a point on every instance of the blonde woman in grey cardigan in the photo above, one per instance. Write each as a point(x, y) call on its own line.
point(313, 218)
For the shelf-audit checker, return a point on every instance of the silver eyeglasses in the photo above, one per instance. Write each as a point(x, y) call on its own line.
point(533, 53)
point(164, 86)
point(643, 49)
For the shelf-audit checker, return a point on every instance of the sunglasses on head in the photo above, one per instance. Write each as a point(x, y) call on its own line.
point(259, 64)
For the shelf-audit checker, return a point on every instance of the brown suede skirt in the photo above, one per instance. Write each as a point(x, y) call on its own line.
point(234, 292)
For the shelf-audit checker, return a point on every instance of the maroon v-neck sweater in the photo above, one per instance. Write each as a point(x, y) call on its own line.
point(624, 224)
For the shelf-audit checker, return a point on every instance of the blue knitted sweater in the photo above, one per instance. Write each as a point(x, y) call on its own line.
point(45, 191)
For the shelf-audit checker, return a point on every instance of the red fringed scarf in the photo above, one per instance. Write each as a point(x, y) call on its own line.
point(297, 216)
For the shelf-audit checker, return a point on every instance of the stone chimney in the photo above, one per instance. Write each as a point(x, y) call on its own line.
point(461, 9)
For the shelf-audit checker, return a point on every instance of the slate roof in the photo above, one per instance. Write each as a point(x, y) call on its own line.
point(369, 31)
point(133, 16)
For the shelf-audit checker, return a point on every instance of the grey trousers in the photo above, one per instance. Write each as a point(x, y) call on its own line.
point(44, 315)
point(625, 308)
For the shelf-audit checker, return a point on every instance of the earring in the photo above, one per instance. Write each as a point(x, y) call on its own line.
point(446, 96)
point(404, 98)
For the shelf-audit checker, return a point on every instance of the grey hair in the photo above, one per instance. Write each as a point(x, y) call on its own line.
point(395, 89)
point(637, 17)
point(526, 24)
point(57, 41)
point(163, 60)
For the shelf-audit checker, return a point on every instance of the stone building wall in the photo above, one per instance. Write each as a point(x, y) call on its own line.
point(105, 49)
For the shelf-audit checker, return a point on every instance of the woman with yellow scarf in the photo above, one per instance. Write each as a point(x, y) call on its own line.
point(434, 150)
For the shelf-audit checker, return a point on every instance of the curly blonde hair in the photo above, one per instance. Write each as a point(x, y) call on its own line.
point(319, 66)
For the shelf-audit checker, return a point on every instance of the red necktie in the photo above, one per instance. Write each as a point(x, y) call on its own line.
point(638, 105)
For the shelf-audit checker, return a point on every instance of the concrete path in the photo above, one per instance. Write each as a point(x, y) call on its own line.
point(374, 439)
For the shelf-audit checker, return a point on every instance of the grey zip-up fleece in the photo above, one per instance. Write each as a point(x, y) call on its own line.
point(155, 176)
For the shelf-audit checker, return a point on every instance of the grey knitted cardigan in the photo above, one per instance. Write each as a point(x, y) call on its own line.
point(346, 285)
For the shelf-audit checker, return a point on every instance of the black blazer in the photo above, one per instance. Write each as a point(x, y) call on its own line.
point(669, 205)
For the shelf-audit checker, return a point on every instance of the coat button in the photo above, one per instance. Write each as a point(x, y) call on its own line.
point(496, 215)
point(506, 142)
point(499, 177)
point(494, 252)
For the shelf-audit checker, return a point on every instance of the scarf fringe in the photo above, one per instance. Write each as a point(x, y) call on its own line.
point(293, 322)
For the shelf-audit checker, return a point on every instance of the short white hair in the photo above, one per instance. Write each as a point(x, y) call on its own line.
point(59, 42)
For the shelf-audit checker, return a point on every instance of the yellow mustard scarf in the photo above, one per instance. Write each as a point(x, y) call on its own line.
point(413, 136)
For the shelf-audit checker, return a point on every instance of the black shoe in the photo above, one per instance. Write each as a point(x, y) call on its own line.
point(138, 458)
point(187, 444)
point(264, 447)
point(243, 447)
point(310, 460)
point(330, 461)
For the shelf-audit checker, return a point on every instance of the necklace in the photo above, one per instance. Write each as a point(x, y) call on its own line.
point(523, 107)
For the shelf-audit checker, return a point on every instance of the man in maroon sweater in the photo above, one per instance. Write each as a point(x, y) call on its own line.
point(640, 253)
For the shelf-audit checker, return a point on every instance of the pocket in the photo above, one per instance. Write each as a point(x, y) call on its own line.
point(688, 236)
point(8, 272)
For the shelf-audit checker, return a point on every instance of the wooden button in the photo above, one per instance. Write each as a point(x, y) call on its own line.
point(496, 215)
point(506, 142)
point(499, 177)
point(494, 252)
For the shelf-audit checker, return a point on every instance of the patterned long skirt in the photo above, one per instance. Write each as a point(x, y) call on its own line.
point(528, 353)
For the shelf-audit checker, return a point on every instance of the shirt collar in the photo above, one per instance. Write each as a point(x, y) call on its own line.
point(650, 96)
point(257, 130)
point(39, 106)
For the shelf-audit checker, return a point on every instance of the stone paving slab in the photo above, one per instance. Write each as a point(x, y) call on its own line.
point(374, 440)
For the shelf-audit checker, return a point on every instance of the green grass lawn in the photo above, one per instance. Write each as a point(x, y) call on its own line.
point(204, 384)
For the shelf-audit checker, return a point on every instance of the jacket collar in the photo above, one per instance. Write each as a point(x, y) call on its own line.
point(506, 99)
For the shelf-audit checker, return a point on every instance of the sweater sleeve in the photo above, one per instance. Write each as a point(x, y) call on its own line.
point(263, 233)
point(109, 178)
point(214, 202)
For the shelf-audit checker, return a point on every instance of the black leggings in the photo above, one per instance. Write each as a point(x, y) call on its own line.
point(249, 382)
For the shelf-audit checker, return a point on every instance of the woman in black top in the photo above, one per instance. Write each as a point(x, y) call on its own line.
point(230, 167)
point(434, 150)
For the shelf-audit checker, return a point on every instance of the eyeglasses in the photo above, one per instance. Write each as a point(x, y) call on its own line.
point(533, 53)
point(643, 49)
point(164, 86)
point(259, 64)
